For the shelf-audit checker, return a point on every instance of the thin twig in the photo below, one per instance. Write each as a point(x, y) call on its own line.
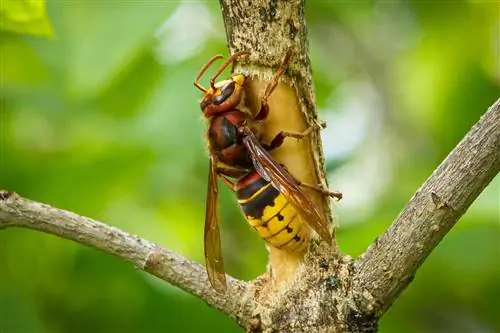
point(16, 211)
point(391, 262)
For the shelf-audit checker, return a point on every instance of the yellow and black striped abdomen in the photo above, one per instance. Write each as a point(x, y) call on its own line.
point(270, 213)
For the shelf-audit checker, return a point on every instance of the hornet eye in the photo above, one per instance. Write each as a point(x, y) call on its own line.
point(225, 92)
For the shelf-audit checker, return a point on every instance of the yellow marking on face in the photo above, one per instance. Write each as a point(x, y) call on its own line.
point(239, 79)
point(220, 84)
point(262, 189)
point(269, 211)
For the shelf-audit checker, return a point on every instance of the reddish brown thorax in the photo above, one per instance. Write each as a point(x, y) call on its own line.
point(226, 141)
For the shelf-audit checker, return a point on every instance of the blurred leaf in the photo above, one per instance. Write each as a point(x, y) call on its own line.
point(17, 313)
point(100, 38)
point(25, 17)
point(21, 66)
point(125, 96)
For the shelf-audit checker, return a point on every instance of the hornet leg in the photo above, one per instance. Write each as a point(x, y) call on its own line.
point(220, 172)
point(280, 137)
point(228, 182)
point(264, 107)
point(322, 191)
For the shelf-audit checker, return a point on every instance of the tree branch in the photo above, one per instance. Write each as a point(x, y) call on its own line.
point(269, 29)
point(16, 211)
point(391, 262)
point(325, 291)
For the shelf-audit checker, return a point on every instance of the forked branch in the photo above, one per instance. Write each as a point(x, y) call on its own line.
point(268, 29)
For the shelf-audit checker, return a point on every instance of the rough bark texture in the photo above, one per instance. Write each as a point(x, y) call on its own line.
point(329, 292)
point(270, 29)
point(391, 262)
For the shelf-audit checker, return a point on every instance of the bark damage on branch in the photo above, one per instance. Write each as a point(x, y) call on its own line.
point(269, 29)
point(329, 292)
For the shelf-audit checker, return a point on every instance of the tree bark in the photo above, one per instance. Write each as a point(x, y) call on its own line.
point(390, 263)
point(270, 29)
point(324, 291)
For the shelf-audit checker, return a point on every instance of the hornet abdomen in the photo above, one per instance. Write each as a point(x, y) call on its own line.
point(270, 213)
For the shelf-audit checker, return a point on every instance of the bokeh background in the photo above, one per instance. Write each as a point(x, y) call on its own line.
point(99, 116)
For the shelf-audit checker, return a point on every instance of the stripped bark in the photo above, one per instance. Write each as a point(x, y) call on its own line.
point(270, 29)
point(326, 291)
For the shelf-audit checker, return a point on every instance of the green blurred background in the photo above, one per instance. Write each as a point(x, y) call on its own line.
point(99, 116)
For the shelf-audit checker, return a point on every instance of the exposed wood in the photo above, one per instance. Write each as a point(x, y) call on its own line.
point(268, 29)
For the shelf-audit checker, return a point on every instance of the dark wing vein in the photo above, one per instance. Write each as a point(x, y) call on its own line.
point(213, 253)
